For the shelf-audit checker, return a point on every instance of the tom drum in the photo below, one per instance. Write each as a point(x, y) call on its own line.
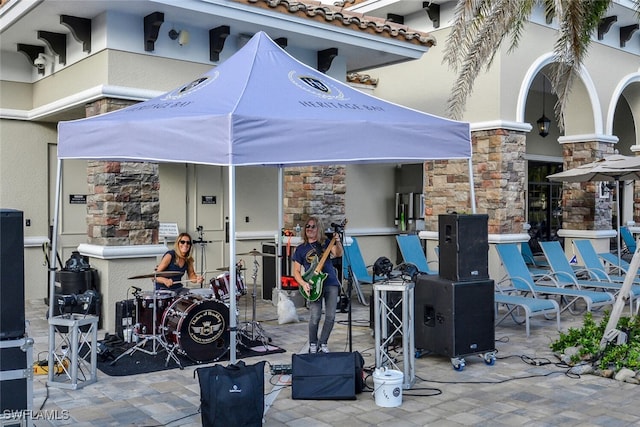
point(144, 310)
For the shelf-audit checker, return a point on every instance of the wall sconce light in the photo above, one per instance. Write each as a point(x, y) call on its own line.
point(42, 61)
point(182, 36)
point(543, 122)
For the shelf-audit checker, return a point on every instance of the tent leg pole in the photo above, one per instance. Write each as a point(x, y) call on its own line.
point(279, 234)
point(53, 267)
point(472, 186)
point(232, 262)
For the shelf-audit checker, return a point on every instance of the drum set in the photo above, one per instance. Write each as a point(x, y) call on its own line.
point(195, 324)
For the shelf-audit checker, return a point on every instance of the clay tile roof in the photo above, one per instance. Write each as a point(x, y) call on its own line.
point(363, 79)
point(337, 15)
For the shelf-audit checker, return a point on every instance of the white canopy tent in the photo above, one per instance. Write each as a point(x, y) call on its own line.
point(261, 107)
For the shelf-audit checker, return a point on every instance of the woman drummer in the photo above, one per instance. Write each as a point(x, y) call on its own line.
point(179, 259)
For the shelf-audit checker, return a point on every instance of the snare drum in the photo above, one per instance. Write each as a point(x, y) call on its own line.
point(221, 288)
point(144, 310)
point(199, 327)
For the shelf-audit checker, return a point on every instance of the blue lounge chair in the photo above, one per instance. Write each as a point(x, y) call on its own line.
point(596, 269)
point(352, 261)
point(535, 263)
point(545, 285)
point(619, 265)
point(412, 252)
point(531, 259)
point(593, 262)
point(531, 307)
point(628, 239)
point(515, 302)
point(567, 276)
point(353, 258)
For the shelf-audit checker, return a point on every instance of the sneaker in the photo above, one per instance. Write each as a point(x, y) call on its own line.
point(313, 348)
point(324, 348)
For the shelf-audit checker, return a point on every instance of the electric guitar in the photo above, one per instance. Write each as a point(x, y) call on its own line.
point(314, 276)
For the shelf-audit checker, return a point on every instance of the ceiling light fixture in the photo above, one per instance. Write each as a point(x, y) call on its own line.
point(543, 122)
point(182, 36)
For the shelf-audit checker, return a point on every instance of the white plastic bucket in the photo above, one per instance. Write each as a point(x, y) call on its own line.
point(387, 387)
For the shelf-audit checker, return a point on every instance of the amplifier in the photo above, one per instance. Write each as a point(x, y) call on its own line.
point(125, 316)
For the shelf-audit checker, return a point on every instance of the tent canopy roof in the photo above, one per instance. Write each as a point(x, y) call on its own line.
point(263, 107)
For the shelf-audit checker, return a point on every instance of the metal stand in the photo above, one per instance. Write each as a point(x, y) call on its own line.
point(65, 359)
point(256, 330)
point(384, 315)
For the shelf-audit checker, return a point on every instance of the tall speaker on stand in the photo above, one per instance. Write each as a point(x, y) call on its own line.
point(12, 317)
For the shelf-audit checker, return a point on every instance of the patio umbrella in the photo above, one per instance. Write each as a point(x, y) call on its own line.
point(612, 168)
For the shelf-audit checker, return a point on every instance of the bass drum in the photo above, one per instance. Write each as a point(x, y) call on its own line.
point(199, 328)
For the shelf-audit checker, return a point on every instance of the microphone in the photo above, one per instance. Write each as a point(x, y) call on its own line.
point(137, 289)
point(337, 227)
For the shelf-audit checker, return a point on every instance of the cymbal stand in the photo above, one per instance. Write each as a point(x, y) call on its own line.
point(257, 332)
point(157, 340)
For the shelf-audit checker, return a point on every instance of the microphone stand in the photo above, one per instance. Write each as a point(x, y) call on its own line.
point(202, 243)
point(349, 287)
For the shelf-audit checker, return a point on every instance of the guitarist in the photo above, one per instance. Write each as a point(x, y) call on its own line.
point(314, 244)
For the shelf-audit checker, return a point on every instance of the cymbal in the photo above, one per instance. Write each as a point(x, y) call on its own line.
point(227, 268)
point(256, 253)
point(157, 274)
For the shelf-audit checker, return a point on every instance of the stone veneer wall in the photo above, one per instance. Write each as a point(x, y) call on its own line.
point(582, 208)
point(499, 177)
point(123, 203)
point(314, 191)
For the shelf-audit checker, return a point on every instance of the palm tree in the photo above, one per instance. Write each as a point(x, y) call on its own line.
point(481, 25)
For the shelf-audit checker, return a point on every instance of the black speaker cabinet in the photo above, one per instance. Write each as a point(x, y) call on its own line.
point(326, 376)
point(125, 316)
point(464, 247)
point(12, 315)
point(269, 268)
point(454, 318)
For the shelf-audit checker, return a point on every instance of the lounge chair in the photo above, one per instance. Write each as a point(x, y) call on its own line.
point(596, 269)
point(535, 263)
point(618, 265)
point(545, 285)
point(352, 261)
point(567, 276)
point(353, 258)
point(413, 253)
point(530, 306)
point(515, 302)
point(629, 240)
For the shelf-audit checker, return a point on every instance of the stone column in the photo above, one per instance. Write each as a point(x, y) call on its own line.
point(123, 206)
point(582, 209)
point(499, 182)
point(123, 203)
point(584, 214)
point(314, 191)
